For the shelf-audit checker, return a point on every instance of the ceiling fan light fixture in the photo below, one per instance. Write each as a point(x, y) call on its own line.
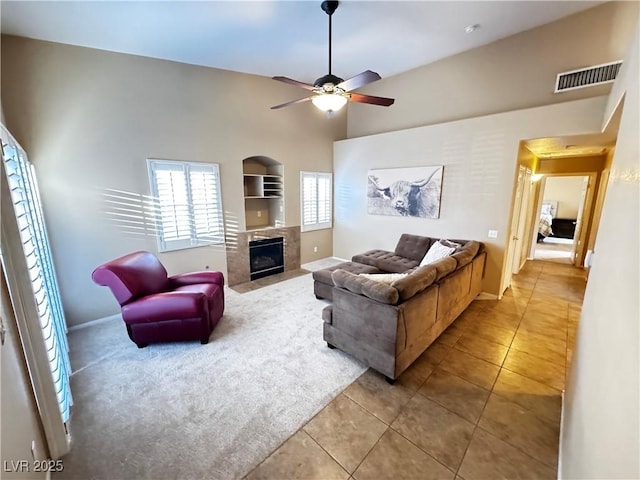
point(330, 92)
point(329, 102)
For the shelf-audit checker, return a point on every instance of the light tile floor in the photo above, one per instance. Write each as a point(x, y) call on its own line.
point(483, 402)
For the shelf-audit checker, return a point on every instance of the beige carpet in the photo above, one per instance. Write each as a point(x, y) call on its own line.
point(553, 249)
point(188, 411)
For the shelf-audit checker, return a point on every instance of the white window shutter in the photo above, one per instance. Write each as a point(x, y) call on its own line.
point(189, 204)
point(206, 202)
point(27, 208)
point(315, 200)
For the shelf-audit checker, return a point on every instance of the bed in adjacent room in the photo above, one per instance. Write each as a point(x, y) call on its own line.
point(547, 214)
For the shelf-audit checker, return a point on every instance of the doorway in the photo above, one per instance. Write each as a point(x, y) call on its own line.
point(561, 218)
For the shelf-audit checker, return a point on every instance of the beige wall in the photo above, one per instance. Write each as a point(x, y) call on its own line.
point(322, 239)
point(599, 200)
point(20, 420)
point(88, 120)
point(567, 191)
point(514, 73)
point(480, 157)
point(601, 423)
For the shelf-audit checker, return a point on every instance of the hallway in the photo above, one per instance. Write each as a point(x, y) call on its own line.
point(482, 402)
point(556, 250)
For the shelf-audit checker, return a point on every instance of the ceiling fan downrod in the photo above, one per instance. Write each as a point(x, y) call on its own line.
point(329, 7)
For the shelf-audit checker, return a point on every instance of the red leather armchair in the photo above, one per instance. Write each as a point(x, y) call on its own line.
point(158, 308)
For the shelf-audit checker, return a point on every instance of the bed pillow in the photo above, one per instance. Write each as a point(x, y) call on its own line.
point(436, 252)
point(387, 278)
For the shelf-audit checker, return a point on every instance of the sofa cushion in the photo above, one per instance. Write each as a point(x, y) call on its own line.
point(327, 314)
point(386, 261)
point(324, 275)
point(388, 278)
point(417, 281)
point(378, 291)
point(413, 247)
point(466, 253)
point(437, 251)
point(444, 267)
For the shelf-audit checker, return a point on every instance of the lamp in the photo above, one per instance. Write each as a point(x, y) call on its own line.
point(329, 102)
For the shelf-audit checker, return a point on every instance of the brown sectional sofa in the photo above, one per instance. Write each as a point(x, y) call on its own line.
point(388, 326)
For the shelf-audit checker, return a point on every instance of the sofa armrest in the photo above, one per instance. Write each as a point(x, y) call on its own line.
point(381, 292)
point(193, 278)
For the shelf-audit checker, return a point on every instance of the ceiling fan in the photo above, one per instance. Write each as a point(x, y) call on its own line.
point(331, 93)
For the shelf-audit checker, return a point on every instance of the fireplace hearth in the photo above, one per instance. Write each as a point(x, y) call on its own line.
point(266, 257)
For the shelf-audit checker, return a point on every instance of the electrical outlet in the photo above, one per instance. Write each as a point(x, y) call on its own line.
point(493, 234)
point(315, 249)
point(259, 213)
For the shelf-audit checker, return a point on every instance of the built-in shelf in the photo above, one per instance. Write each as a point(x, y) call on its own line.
point(263, 193)
point(262, 186)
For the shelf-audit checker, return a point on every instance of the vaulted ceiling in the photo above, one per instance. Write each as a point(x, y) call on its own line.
point(290, 38)
point(283, 37)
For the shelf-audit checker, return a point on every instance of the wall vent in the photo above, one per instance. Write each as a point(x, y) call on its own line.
point(587, 77)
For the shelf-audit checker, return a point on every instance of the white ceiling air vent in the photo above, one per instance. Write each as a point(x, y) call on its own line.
point(587, 77)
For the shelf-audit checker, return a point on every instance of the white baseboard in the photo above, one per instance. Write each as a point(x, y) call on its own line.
point(341, 259)
point(93, 322)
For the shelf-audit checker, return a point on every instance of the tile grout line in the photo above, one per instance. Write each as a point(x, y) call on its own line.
point(389, 427)
point(335, 460)
point(477, 423)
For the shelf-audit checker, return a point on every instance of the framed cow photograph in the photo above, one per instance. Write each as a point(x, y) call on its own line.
point(406, 192)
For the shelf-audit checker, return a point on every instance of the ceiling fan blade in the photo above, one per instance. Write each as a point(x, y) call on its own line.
point(360, 98)
point(293, 102)
point(359, 80)
point(297, 83)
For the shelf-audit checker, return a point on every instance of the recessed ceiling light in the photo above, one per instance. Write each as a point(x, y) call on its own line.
point(471, 28)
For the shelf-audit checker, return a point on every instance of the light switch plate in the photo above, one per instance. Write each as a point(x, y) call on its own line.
point(493, 234)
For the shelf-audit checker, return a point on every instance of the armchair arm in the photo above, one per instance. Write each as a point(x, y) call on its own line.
point(193, 278)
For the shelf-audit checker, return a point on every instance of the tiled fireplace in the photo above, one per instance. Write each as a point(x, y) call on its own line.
point(238, 252)
point(266, 257)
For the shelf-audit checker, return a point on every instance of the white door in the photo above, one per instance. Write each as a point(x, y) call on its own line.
point(520, 254)
point(513, 231)
point(578, 242)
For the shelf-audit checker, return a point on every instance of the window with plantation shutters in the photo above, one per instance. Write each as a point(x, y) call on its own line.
point(316, 200)
point(188, 208)
point(38, 259)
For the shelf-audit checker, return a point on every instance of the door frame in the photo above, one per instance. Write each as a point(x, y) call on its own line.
point(586, 220)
